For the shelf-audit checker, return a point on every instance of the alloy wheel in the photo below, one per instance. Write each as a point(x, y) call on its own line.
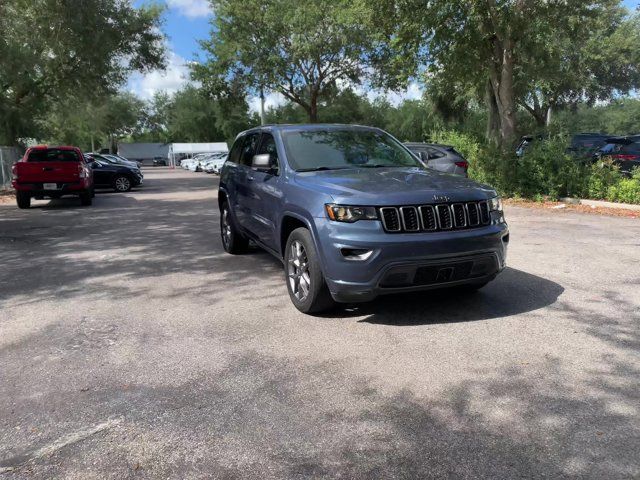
point(298, 271)
point(123, 184)
point(225, 228)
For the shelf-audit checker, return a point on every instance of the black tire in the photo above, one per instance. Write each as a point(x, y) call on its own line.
point(93, 192)
point(86, 199)
point(122, 184)
point(233, 241)
point(305, 283)
point(23, 199)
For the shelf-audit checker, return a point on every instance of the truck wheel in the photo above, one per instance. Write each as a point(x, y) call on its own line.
point(307, 289)
point(23, 199)
point(122, 183)
point(233, 240)
point(86, 199)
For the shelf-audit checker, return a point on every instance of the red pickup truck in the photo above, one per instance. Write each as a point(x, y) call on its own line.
point(52, 172)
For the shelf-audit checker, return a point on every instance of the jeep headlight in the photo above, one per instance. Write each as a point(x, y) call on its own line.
point(495, 204)
point(350, 213)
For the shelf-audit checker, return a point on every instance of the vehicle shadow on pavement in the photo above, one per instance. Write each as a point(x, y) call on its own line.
point(512, 293)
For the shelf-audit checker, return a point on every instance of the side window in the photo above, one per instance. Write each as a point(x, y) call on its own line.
point(433, 153)
point(234, 155)
point(249, 149)
point(268, 145)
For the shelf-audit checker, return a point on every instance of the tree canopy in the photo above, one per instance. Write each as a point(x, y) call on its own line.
point(299, 49)
point(511, 52)
point(50, 49)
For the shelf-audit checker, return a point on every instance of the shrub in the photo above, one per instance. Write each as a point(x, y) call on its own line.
point(545, 170)
point(626, 190)
point(602, 175)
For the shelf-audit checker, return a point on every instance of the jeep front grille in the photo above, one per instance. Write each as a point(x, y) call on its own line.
point(431, 218)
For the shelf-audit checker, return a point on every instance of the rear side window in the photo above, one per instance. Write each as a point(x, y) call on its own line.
point(631, 148)
point(234, 154)
point(434, 153)
point(53, 155)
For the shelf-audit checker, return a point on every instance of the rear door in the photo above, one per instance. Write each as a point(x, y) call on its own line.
point(102, 173)
point(50, 165)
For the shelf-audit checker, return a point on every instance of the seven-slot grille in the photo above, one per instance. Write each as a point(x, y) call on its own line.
point(431, 218)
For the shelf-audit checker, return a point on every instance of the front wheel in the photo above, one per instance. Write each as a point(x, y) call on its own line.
point(23, 199)
point(307, 289)
point(121, 184)
point(232, 239)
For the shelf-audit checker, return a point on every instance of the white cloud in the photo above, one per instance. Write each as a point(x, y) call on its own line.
point(271, 100)
point(191, 8)
point(170, 80)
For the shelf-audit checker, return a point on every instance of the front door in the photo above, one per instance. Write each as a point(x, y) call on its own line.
point(265, 194)
point(242, 208)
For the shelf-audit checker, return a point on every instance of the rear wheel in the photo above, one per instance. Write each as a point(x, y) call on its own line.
point(307, 289)
point(23, 199)
point(232, 239)
point(121, 183)
point(86, 198)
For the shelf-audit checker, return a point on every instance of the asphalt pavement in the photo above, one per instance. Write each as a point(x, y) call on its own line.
point(132, 346)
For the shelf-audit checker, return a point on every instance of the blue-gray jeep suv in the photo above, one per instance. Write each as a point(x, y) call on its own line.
point(353, 214)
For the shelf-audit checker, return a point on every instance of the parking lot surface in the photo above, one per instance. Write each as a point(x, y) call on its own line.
point(132, 346)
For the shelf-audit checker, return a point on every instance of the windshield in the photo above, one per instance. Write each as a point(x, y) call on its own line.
point(334, 149)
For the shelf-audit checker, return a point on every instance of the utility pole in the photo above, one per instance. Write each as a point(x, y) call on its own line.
point(262, 120)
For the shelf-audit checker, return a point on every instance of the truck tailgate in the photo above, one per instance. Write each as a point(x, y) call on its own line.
point(54, 172)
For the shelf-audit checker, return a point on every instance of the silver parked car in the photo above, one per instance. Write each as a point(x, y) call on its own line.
point(443, 158)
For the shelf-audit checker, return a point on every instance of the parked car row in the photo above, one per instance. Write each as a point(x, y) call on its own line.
point(205, 162)
point(54, 172)
point(623, 150)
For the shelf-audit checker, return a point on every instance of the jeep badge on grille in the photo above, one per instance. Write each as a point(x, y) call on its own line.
point(440, 198)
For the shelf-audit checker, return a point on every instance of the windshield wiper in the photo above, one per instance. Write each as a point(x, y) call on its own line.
point(317, 169)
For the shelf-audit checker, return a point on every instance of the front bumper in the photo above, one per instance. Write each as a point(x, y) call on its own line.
point(406, 261)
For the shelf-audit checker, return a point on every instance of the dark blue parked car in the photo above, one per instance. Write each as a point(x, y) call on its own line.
point(353, 213)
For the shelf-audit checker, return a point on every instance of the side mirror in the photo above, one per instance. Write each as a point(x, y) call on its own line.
point(261, 162)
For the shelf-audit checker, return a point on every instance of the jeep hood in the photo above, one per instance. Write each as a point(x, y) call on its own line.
point(392, 186)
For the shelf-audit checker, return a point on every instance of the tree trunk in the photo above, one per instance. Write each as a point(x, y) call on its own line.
point(548, 116)
point(493, 118)
point(313, 107)
point(506, 97)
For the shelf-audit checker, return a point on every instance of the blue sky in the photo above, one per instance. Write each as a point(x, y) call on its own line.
point(185, 23)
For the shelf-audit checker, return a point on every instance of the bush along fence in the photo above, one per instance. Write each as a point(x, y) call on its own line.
point(546, 170)
point(8, 156)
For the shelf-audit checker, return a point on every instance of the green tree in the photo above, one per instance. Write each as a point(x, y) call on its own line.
point(299, 49)
point(50, 49)
point(93, 124)
point(507, 51)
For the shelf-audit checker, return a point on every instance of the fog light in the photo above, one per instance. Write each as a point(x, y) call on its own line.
point(356, 254)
